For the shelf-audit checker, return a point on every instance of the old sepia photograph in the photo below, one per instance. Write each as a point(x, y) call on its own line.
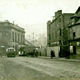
point(39, 39)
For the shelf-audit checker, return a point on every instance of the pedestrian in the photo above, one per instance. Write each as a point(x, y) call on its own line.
point(52, 54)
point(68, 54)
point(36, 53)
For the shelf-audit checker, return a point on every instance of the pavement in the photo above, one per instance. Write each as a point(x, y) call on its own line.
point(62, 59)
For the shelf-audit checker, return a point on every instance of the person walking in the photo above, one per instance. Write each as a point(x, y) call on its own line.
point(52, 54)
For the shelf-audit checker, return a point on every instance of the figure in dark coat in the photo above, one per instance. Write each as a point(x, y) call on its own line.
point(52, 54)
point(67, 54)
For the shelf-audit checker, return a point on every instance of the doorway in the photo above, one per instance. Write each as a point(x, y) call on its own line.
point(74, 50)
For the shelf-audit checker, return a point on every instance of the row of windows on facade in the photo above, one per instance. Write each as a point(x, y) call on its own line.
point(73, 21)
point(52, 36)
point(15, 37)
point(18, 37)
point(53, 24)
point(55, 34)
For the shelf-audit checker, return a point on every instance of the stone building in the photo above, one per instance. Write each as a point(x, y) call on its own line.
point(11, 35)
point(74, 32)
point(57, 31)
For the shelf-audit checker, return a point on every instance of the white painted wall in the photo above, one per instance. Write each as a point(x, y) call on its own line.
point(56, 49)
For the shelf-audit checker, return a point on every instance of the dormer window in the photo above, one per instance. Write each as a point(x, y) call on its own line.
point(76, 19)
point(73, 21)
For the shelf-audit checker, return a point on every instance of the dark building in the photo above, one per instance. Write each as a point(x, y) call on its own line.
point(74, 32)
point(57, 31)
point(11, 35)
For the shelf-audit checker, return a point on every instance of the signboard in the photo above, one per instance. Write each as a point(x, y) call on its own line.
point(2, 46)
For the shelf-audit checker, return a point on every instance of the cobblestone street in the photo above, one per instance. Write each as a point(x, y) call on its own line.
point(28, 68)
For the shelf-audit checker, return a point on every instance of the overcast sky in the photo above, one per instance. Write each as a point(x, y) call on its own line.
point(34, 14)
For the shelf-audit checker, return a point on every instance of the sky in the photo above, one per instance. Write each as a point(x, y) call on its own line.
point(32, 15)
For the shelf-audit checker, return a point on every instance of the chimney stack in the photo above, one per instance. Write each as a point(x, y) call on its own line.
point(13, 22)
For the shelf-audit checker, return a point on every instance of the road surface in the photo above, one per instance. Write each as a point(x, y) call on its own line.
point(28, 68)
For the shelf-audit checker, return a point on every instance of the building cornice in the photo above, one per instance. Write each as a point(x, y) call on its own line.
point(11, 25)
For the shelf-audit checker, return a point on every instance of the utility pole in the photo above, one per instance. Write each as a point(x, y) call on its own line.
point(33, 38)
point(29, 37)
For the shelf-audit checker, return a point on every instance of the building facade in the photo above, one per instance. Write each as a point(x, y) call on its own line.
point(74, 32)
point(11, 35)
point(57, 31)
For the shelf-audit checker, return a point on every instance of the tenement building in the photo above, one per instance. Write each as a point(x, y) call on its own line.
point(11, 35)
point(57, 31)
point(74, 32)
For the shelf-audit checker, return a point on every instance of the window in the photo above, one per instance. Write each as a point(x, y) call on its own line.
point(13, 36)
point(18, 37)
point(21, 37)
point(49, 27)
point(74, 35)
point(49, 36)
point(60, 32)
point(55, 34)
point(59, 19)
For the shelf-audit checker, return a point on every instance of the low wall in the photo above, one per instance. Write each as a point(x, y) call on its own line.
point(42, 52)
point(46, 51)
point(56, 50)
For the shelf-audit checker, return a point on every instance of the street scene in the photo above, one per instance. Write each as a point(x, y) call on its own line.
point(28, 68)
point(39, 39)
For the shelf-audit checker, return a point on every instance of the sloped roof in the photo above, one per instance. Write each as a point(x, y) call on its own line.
point(76, 15)
point(78, 9)
point(28, 43)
